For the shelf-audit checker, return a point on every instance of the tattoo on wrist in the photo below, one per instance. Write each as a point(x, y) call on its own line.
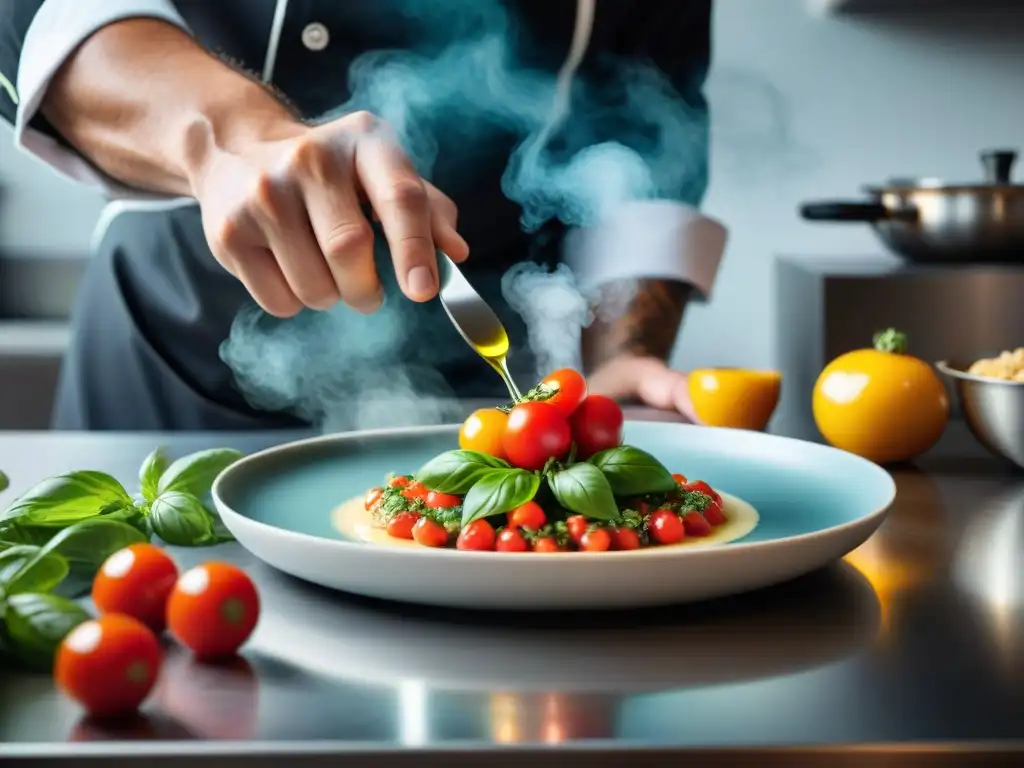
point(646, 328)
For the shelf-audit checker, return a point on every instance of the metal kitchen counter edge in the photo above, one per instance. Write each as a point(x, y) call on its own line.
point(939, 503)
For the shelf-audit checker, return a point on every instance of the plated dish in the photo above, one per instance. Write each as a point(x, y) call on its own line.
point(813, 504)
point(547, 474)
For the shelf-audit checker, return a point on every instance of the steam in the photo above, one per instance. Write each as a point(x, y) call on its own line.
point(342, 370)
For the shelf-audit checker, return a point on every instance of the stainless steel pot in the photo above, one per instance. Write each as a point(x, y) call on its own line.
point(926, 220)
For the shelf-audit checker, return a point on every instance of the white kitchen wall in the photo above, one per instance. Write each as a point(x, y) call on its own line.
point(809, 107)
point(804, 106)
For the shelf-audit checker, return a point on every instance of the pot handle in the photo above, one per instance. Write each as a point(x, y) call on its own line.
point(832, 210)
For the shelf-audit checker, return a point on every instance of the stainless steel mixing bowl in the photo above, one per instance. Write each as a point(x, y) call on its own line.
point(992, 408)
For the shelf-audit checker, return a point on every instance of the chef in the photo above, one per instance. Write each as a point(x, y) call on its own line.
point(255, 162)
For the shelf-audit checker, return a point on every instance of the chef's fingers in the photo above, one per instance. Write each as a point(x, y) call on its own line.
point(258, 271)
point(344, 236)
point(444, 218)
point(279, 210)
point(397, 194)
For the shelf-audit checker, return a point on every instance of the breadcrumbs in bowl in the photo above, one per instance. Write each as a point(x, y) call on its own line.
point(1008, 366)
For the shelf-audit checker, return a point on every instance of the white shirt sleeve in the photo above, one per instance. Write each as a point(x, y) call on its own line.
point(649, 239)
point(56, 31)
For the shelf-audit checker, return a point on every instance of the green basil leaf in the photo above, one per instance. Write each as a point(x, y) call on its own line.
point(195, 473)
point(150, 473)
point(583, 489)
point(12, 534)
point(457, 471)
point(28, 569)
point(501, 490)
point(4, 482)
point(182, 520)
point(632, 472)
point(66, 499)
point(85, 546)
point(35, 625)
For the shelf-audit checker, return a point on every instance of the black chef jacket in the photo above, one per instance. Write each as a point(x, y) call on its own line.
point(155, 307)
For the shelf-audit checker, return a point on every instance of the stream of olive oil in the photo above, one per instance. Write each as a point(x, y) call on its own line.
point(495, 351)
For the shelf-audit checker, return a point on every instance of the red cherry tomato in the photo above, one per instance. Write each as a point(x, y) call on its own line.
point(108, 665)
point(213, 609)
point(596, 540)
point(511, 540)
point(478, 535)
point(429, 533)
point(535, 433)
point(528, 515)
point(681, 479)
point(547, 544)
point(696, 525)
point(701, 487)
point(577, 525)
point(438, 500)
point(136, 581)
point(414, 491)
point(400, 526)
point(570, 389)
point(625, 538)
point(714, 513)
point(666, 527)
point(399, 482)
point(596, 425)
point(372, 497)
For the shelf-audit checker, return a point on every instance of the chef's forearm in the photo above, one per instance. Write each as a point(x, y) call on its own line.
point(646, 328)
point(146, 104)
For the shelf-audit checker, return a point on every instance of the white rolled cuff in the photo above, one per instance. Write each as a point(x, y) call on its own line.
point(648, 240)
point(57, 30)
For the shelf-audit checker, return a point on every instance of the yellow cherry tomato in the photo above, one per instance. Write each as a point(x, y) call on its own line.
point(483, 432)
point(881, 403)
point(734, 397)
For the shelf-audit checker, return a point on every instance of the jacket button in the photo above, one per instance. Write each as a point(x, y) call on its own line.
point(315, 36)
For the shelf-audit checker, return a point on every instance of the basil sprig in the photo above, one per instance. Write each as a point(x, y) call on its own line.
point(492, 487)
point(583, 489)
point(632, 472)
point(457, 472)
point(500, 490)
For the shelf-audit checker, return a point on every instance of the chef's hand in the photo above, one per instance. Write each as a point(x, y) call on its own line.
point(646, 379)
point(282, 212)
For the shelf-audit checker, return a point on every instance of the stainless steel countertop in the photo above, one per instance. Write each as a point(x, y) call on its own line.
point(915, 646)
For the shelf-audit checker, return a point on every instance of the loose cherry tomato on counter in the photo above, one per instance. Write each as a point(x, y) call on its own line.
point(429, 533)
point(108, 665)
point(570, 388)
point(399, 482)
point(372, 497)
point(696, 525)
point(596, 540)
point(596, 425)
point(577, 526)
point(213, 609)
point(528, 515)
point(624, 538)
point(714, 513)
point(478, 535)
point(666, 527)
point(438, 500)
point(535, 433)
point(136, 581)
point(681, 479)
point(483, 432)
point(414, 491)
point(400, 526)
point(701, 487)
point(511, 540)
